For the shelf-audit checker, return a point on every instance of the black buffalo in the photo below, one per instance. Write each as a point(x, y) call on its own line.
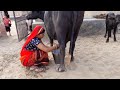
point(63, 26)
point(112, 22)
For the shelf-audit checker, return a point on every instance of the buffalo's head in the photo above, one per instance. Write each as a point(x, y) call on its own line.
point(118, 18)
point(35, 15)
point(118, 21)
point(111, 16)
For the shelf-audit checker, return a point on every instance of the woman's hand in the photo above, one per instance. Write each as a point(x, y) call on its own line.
point(56, 46)
point(46, 48)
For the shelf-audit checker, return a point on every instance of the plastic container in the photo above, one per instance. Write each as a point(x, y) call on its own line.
point(56, 56)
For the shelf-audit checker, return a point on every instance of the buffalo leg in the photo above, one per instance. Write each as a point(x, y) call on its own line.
point(51, 42)
point(109, 34)
point(62, 44)
point(72, 43)
point(71, 50)
point(106, 33)
point(114, 33)
point(61, 67)
point(30, 28)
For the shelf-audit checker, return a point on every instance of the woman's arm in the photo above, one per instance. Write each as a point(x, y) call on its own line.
point(46, 48)
point(54, 45)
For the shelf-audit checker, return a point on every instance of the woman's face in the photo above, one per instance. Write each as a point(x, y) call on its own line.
point(40, 35)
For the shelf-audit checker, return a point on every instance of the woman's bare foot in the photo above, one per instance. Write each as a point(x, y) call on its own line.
point(40, 70)
point(33, 68)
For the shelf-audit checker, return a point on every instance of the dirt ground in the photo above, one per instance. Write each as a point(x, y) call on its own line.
point(94, 59)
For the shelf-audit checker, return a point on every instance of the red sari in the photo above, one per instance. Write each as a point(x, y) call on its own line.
point(28, 58)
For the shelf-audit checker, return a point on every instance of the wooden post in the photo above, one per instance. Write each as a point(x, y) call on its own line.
point(15, 24)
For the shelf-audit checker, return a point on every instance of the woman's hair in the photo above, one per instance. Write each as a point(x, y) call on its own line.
point(42, 31)
point(7, 16)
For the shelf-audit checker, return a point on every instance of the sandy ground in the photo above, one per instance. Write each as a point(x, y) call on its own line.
point(94, 59)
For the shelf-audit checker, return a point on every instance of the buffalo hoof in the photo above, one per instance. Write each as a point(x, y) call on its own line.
point(72, 59)
point(104, 36)
point(107, 41)
point(115, 40)
point(61, 68)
